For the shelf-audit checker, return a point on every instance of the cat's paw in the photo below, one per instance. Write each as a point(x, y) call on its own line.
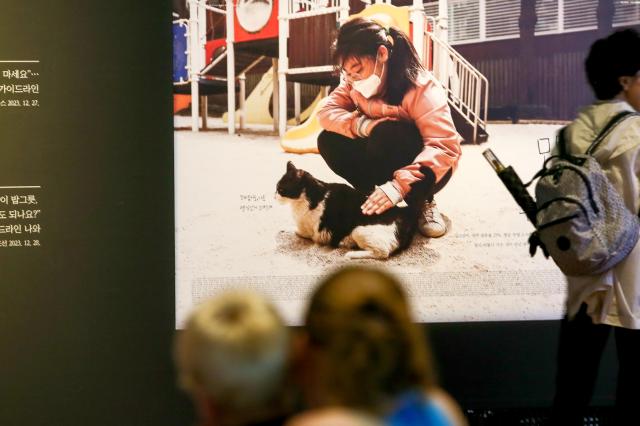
point(349, 242)
point(359, 254)
point(303, 235)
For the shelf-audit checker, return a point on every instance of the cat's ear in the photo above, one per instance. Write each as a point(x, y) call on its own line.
point(290, 167)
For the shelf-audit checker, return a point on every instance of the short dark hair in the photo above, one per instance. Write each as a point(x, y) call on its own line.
point(610, 58)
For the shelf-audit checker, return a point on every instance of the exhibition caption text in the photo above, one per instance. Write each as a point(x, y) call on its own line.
point(19, 84)
point(254, 203)
point(19, 217)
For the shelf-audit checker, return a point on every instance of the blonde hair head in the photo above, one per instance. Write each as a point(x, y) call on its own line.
point(234, 349)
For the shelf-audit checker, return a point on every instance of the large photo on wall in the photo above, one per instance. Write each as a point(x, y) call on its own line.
point(296, 153)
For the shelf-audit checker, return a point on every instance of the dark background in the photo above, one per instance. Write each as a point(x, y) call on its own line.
point(86, 320)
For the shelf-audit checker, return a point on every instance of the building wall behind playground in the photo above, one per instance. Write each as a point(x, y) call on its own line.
point(548, 84)
point(557, 85)
point(532, 52)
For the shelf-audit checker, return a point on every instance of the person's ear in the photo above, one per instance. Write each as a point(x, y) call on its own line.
point(205, 407)
point(625, 82)
point(299, 345)
point(383, 53)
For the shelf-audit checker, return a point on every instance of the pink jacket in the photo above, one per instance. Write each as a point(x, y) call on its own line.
point(425, 105)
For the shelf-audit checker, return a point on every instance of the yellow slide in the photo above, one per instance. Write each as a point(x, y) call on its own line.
point(303, 139)
point(256, 105)
point(387, 15)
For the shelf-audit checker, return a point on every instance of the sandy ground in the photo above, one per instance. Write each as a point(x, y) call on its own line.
point(230, 231)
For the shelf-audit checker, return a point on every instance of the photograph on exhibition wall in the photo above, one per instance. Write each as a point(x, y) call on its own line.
point(296, 153)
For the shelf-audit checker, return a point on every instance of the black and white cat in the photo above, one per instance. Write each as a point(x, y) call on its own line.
point(330, 214)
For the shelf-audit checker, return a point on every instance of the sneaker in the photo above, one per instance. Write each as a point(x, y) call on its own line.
point(431, 222)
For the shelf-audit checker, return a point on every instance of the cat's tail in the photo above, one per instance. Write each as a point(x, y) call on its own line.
point(422, 190)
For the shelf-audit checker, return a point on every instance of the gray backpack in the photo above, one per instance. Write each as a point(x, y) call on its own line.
point(582, 221)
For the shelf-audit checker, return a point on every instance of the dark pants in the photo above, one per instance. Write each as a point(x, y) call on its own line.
point(579, 352)
point(366, 162)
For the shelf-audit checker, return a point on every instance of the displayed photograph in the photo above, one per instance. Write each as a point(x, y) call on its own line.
point(316, 134)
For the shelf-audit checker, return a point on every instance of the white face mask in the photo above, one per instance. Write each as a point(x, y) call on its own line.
point(369, 86)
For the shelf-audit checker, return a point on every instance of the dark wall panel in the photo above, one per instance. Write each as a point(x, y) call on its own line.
point(557, 88)
point(310, 41)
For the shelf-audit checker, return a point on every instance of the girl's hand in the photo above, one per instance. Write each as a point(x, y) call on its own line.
point(373, 108)
point(369, 107)
point(377, 203)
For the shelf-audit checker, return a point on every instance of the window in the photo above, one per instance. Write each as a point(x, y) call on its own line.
point(548, 16)
point(580, 15)
point(472, 21)
point(502, 18)
point(464, 20)
point(431, 8)
point(627, 13)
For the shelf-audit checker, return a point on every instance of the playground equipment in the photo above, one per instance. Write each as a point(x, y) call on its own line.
point(257, 105)
point(303, 138)
point(190, 65)
point(251, 29)
point(387, 15)
point(198, 20)
point(256, 20)
point(252, 26)
point(180, 48)
point(467, 89)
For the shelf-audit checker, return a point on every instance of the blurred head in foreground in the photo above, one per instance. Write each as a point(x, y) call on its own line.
point(366, 348)
point(232, 359)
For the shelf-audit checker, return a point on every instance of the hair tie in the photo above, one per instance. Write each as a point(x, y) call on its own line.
point(389, 37)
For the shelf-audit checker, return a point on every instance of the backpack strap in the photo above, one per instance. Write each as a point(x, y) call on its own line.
point(563, 150)
point(561, 143)
point(617, 119)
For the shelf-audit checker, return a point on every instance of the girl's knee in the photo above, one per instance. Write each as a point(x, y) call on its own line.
point(326, 142)
point(395, 129)
point(393, 137)
point(322, 141)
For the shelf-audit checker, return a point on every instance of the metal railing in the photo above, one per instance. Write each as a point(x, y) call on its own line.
point(297, 9)
point(197, 66)
point(467, 89)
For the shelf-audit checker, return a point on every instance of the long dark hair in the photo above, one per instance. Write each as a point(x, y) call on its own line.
point(360, 319)
point(361, 37)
